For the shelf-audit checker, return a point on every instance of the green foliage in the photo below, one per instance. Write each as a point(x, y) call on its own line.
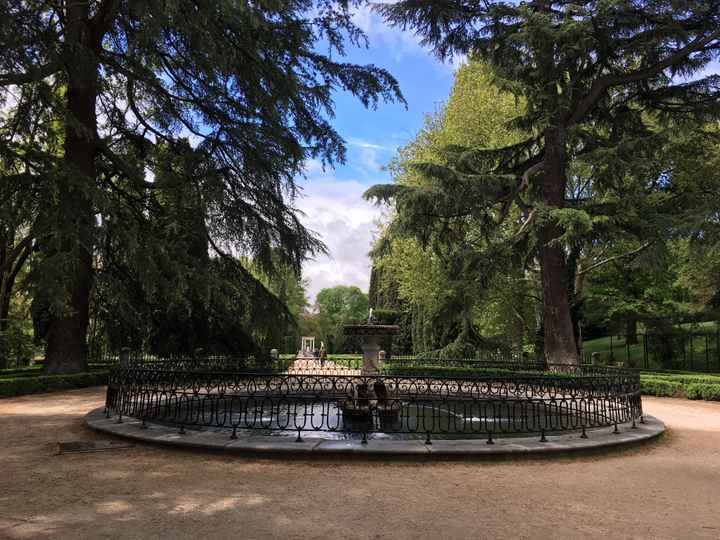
point(684, 377)
point(454, 283)
point(160, 290)
point(639, 290)
point(29, 371)
point(402, 342)
point(708, 392)
point(16, 344)
point(343, 303)
point(652, 386)
point(251, 84)
point(426, 368)
point(289, 288)
point(689, 385)
point(576, 224)
point(338, 306)
point(605, 87)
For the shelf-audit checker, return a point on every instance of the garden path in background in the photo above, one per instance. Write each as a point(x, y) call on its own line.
point(666, 489)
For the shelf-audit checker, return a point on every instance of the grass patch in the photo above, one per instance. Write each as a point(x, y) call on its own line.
point(697, 350)
point(615, 349)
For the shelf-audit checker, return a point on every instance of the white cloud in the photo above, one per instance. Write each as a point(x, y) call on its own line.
point(313, 167)
point(362, 143)
point(346, 223)
point(393, 41)
point(369, 159)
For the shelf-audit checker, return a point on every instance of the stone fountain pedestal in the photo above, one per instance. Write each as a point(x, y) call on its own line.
point(371, 336)
point(366, 396)
point(371, 356)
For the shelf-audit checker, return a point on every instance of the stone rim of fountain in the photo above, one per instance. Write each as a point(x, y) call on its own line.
point(370, 329)
point(209, 439)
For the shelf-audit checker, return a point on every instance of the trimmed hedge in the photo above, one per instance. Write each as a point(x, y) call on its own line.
point(46, 383)
point(32, 371)
point(458, 371)
point(708, 392)
point(691, 386)
point(651, 386)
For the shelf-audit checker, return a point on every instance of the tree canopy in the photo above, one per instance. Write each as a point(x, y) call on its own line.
point(337, 306)
point(97, 92)
point(603, 86)
point(444, 269)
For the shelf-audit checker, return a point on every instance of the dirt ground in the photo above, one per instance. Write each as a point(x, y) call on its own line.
point(666, 489)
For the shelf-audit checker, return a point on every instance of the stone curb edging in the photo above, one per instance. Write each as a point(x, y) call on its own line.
point(220, 440)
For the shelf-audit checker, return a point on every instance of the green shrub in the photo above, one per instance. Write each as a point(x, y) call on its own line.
point(16, 344)
point(659, 387)
point(31, 371)
point(351, 361)
point(683, 376)
point(417, 369)
point(46, 383)
point(708, 392)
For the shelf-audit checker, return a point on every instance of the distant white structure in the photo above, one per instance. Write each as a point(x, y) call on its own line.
point(307, 346)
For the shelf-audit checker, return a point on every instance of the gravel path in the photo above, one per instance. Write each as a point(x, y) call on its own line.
point(666, 489)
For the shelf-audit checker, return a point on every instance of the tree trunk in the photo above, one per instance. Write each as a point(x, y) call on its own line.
point(7, 285)
point(7, 238)
point(631, 336)
point(66, 339)
point(560, 345)
point(574, 294)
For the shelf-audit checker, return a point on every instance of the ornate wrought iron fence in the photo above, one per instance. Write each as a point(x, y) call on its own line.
point(225, 394)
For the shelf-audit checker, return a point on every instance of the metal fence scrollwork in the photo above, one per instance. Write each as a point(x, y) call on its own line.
point(403, 402)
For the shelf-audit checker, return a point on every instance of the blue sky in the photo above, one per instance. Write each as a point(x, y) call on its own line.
point(332, 199)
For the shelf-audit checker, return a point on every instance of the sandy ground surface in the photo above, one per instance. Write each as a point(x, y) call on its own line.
point(666, 489)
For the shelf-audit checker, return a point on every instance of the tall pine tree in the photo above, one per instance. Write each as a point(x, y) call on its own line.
point(249, 82)
point(592, 75)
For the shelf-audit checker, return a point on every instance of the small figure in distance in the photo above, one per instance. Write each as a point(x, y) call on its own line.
point(323, 354)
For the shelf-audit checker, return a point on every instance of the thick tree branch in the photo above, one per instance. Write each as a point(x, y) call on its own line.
point(615, 258)
point(524, 182)
point(601, 85)
point(16, 252)
point(525, 225)
point(22, 259)
point(34, 74)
